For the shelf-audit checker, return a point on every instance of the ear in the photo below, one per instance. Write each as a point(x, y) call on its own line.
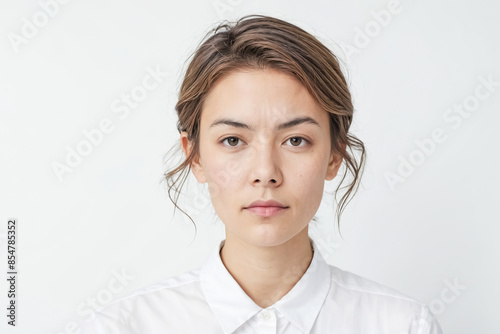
point(334, 165)
point(196, 166)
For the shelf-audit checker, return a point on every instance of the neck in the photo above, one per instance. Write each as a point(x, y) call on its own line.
point(266, 274)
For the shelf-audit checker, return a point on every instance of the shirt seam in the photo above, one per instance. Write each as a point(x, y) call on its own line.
point(377, 293)
point(140, 293)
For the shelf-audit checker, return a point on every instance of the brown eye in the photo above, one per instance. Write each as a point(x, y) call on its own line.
point(296, 141)
point(231, 141)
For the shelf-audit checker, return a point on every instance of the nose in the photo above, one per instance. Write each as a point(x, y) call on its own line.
point(265, 166)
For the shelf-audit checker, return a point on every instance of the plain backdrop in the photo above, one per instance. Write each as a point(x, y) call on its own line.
point(106, 226)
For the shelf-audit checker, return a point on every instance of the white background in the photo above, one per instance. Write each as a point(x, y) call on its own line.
point(111, 213)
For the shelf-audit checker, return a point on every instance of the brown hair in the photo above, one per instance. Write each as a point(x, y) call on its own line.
point(263, 42)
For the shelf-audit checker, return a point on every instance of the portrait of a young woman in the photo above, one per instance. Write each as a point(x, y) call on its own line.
point(265, 103)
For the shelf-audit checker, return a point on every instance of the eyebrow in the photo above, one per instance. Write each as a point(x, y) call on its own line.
point(282, 126)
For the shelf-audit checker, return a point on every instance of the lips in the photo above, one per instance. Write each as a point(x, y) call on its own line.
point(266, 209)
point(269, 203)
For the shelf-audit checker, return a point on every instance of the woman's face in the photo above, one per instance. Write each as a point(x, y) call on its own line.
point(263, 137)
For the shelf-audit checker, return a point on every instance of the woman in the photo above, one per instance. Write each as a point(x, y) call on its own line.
point(264, 112)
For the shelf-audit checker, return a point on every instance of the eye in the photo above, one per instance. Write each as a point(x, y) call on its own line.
point(231, 140)
point(296, 141)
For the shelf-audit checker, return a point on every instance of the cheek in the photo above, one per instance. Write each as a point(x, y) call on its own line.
point(309, 178)
point(307, 198)
point(309, 171)
point(223, 177)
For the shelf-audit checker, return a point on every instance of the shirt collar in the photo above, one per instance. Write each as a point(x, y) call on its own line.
point(232, 307)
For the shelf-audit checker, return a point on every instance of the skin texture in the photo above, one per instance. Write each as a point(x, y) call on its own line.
point(266, 255)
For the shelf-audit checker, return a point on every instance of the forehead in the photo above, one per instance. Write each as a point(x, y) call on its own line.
point(260, 95)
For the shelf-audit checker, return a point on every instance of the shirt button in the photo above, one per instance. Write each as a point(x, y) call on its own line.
point(266, 315)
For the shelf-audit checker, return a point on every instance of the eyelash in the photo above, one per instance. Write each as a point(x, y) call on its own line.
point(233, 147)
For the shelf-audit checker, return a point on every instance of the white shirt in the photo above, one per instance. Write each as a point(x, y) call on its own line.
point(208, 300)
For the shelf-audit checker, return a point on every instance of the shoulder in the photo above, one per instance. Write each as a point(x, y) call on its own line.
point(185, 284)
point(378, 304)
point(363, 287)
point(173, 295)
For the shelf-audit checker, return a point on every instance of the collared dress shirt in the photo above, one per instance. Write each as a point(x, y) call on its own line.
point(208, 300)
